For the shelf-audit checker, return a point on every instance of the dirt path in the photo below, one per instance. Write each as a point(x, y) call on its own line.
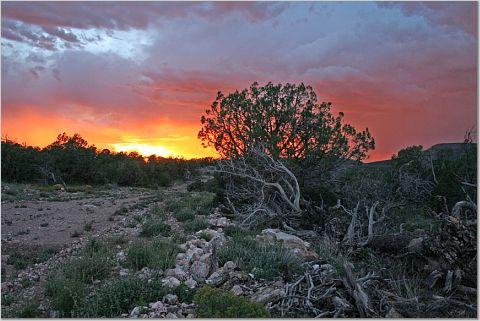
point(55, 223)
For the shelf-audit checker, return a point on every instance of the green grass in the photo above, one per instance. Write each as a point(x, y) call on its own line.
point(119, 296)
point(206, 236)
point(328, 250)
point(65, 294)
point(264, 261)
point(217, 303)
point(195, 225)
point(155, 228)
point(156, 254)
point(22, 259)
point(200, 203)
point(184, 214)
point(29, 310)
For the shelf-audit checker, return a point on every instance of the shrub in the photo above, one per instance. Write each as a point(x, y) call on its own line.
point(21, 260)
point(158, 254)
point(87, 269)
point(65, 294)
point(184, 214)
point(30, 310)
point(196, 225)
point(264, 261)
point(216, 303)
point(200, 203)
point(154, 228)
point(118, 296)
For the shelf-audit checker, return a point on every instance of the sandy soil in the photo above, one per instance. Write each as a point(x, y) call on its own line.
point(45, 223)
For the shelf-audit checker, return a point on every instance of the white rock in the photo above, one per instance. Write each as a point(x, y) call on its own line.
point(177, 273)
point(171, 315)
point(158, 306)
point(170, 282)
point(268, 294)
point(237, 290)
point(170, 298)
point(191, 283)
point(135, 312)
point(216, 278)
point(230, 265)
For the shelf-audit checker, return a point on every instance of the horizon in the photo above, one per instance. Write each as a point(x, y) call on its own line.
point(141, 81)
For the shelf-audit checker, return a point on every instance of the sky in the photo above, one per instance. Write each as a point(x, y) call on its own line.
point(139, 75)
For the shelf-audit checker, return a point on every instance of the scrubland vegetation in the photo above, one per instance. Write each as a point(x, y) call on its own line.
point(350, 239)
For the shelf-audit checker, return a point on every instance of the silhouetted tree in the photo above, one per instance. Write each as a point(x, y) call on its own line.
point(286, 119)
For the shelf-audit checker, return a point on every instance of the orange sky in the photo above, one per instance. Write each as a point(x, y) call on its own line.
point(128, 75)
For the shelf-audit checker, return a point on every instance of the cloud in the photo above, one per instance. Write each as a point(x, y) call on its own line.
point(148, 69)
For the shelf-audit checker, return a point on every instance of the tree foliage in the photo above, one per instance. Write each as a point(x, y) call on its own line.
point(286, 119)
point(72, 160)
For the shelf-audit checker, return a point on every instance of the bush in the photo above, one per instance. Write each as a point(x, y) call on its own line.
point(88, 269)
point(21, 260)
point(216, 303)
point(184, 214)
point(154, 228)
point(158, 254)
point(65, 294)
point(119, 296)
point(264, 261)
point(196, 225)
point(201, 203)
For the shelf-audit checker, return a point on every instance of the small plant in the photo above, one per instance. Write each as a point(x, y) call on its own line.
point(263, 260)
point(206, 236)
point(184, 214)
point(119, 296)
point(121, 211)
point(216, 303)
point(196, 225)
point(154, 228)
point(158, 254)
point(30, 310)
point(7, 299)
point(75, 233)
point(65, 294)
point(87, 227)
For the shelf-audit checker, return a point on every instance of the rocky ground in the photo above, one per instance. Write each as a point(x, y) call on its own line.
point(118, 213)
point(288, 274)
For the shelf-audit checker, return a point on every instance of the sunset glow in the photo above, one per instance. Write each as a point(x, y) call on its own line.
point(137, 76)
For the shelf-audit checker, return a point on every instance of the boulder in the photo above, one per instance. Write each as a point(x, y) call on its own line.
point(200, 269)
point(237, 290)
point(268, 294)
point(217, 278)
point(295, 244)
point(170, 282)
point(177, 273)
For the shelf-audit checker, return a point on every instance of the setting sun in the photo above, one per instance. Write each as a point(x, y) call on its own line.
point(143, 149)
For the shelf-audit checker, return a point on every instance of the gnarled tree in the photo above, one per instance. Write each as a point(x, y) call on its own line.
point(262, 131)
point(286, 119)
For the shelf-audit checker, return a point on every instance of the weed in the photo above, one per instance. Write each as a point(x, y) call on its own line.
point(30, 310)
point(206, 236)
point(119, 296)
point(154, 228)
point(264, 261)
point(87, 227)
point(7, 299)
point(217, 303)
point(121, 211)
point(65, 294)
point(75, 233)
point(196, 225)
point(184, 214)
point(157, 254)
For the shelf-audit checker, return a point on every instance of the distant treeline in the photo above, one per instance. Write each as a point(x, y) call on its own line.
point(71, 160)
